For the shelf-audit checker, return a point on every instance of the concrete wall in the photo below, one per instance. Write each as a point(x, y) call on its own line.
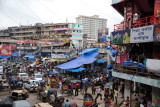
point(155, 97)
point(127, 91)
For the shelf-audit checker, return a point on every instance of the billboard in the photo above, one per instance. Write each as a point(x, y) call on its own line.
point(142, 34)
point(6, 50)
point(120, 37)
point(102, 35)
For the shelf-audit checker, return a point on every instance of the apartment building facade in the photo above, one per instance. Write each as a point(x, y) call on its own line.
point(91, 25)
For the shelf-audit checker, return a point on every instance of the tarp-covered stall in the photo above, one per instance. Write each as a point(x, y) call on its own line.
point(86, 59)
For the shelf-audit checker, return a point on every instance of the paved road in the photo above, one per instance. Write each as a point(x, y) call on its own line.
point(78, 99)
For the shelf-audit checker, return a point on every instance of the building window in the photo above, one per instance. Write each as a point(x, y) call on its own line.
point(73, 30)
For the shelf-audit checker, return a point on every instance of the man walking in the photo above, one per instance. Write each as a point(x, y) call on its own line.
point(98, 93)
point(116, 95)
point(93, 89)
point(108, 86)
point(76, 91)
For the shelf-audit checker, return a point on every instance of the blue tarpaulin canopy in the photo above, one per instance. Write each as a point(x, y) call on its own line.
point(17, 53)
point(101, 61)
point(136, 64)
point(114, 52)
point(86, 59)
point(88, 51)
point(4, 57)
point(76, 70)
point(109, 66)
point(30, 57)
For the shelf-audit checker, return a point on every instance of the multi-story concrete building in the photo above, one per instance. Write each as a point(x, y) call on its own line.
point(77, 34)
point(50, 38)
point(137, 40)
point(91, 25)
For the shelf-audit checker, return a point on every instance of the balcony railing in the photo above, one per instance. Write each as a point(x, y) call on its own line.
point(56, 50)
point(136, 23)
point(135, 71)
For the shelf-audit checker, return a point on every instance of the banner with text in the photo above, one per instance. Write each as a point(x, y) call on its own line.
point(6, 50)
point(60, 56)
point(142, 34)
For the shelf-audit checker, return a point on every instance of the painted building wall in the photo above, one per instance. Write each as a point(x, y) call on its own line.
point(77, 33)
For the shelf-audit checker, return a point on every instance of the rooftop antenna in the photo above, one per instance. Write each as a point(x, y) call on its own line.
point(66, 19)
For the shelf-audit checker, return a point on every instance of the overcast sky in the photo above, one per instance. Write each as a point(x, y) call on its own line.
point(26, 12)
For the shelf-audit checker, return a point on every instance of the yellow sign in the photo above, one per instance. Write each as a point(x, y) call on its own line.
point(66, 41)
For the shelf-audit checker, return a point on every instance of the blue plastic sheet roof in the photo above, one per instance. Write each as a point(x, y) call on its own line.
point(112, 51)
point(4, 57)
point(86, 59)
point(101, 61)
point(88, 51)
point(76, 70)
point(17, 53)
point(29, 56)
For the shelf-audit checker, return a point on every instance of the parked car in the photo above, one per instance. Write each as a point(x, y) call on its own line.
point(37, 76)
point(21, 103)
point(31, 85)
point(23, 76)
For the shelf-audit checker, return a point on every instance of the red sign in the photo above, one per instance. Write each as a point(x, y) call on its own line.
point(6, 50)
point(157, 11)
point(129, 12)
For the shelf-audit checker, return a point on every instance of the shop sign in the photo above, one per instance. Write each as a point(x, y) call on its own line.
point(121, 37)
point(157, 33)
point(60, 56)
point(142, 34)
point(26, 47)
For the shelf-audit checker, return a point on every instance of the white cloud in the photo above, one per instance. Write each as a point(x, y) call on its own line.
point(15, 12)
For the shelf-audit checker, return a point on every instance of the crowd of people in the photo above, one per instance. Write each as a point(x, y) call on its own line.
point(98, 78)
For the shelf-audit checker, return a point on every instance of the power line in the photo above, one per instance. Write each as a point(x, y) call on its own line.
point(50, 11)
point(31, 10)
point(97, 10)
point(19, 12)
point(9, 17)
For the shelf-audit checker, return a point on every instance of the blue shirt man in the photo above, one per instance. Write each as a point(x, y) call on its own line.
point(108, 85)
point(67, 103)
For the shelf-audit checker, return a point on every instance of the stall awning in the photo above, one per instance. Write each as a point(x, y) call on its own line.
point(29, 56)
point(86, 59)
point(17, 53)
point(53, 60)
point(101, 61)
point(4, 57)
point(76, 70)
point(89, 51)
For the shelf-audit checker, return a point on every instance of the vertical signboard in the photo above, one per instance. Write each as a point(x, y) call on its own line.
point(157, 11)
point(129, 11)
